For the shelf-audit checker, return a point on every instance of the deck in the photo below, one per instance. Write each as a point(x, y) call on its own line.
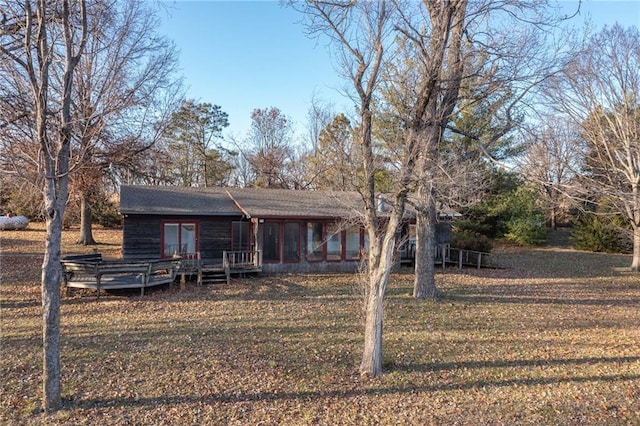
point(91, 272)
point(209, 271)
point(447, 255)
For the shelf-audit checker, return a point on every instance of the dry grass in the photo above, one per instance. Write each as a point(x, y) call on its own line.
point(551, 340)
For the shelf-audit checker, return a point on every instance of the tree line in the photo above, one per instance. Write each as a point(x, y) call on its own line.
point(454, 101)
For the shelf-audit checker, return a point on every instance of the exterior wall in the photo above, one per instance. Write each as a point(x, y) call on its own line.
point(142, 235)
point(305, 267)
point(215, 237)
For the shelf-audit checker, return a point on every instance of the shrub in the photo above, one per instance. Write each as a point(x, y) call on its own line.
point(607, 234)
point(470, 240)
point(527, 230)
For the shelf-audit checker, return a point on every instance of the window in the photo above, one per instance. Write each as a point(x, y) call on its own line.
point(292, 242)
point(365, 243)
point(334, 242)
point(271, 242)
point(179, 238)
point(241, 236)
point(352, 243)
point(314, 241)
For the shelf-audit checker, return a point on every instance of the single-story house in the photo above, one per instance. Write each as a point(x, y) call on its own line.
point(278, 230)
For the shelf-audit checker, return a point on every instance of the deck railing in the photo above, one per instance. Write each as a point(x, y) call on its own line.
point(242, 259)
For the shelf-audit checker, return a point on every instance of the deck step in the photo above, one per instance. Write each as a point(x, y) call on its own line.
point(214, 277)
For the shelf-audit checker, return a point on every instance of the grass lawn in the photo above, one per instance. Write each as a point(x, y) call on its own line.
point(551, 340)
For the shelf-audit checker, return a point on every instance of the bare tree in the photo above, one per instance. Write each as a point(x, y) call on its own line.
point(600, 92)
point(551, 163)
point(460, 53)
point(124, 93)
point(319, 116)
point(434, 32)
point(38, 43)
point(269, 147)
point(361, 32)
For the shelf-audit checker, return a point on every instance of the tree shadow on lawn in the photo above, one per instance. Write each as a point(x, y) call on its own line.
point(287, 288)
point(239, 396)
point(524, 363)
point(539, 294)
point(553, 263)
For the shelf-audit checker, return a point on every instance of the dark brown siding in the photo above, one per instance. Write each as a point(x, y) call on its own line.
point(141, 235)
point(215, 237)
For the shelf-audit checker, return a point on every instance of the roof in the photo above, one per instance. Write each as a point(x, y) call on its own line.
point(176, 200)
point(260, 202)
point(253, 202)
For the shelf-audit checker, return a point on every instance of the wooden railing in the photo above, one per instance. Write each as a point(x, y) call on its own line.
point(242, 259)
point(465, 257)
point(444, 254)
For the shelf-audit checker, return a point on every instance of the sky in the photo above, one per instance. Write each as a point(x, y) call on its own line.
point(243, 55)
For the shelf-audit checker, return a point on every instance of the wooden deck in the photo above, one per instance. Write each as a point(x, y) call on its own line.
point(117, 274)
point(210, 271)
point(447, 255)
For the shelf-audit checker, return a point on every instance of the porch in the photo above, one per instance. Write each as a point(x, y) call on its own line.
point(210, 271)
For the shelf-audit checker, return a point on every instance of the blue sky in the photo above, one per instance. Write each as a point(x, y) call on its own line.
point(244, 55)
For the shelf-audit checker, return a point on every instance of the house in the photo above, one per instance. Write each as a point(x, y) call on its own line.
point(290, 231)
point(275, 230)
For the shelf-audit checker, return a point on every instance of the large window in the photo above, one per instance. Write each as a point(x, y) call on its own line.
point(292, 242)
point(271, 242)
point(331, 242)
point(179, 238)
point(241, 236)
point(352, 243)
point(314, 241)
point(334, 242)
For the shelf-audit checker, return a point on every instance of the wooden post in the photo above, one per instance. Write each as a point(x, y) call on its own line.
point(98, 278)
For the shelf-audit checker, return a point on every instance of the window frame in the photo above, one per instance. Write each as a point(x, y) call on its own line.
point(285, 241)
point(179, 223)
point(322, 246)
point(339, 239)
point(249, 238)
point(278, 242)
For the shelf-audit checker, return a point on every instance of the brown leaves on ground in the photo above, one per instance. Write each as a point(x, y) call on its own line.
point(552, 339)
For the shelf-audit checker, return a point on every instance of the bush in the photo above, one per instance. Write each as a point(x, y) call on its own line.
point(607, 234)
point(23, 200)
point(470, 240)
point(527, 230)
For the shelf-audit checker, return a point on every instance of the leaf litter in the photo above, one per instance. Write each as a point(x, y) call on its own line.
point(551, 339)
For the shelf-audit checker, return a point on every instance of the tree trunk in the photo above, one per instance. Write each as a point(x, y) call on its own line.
point(635, 263)
point(378, 279)
point(372, 355)
point(86, 221)
point(425, 282)
point(51, 278)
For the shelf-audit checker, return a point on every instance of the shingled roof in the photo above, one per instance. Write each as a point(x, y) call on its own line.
point(294, 203)
point(254, 202)
point(176, 200)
